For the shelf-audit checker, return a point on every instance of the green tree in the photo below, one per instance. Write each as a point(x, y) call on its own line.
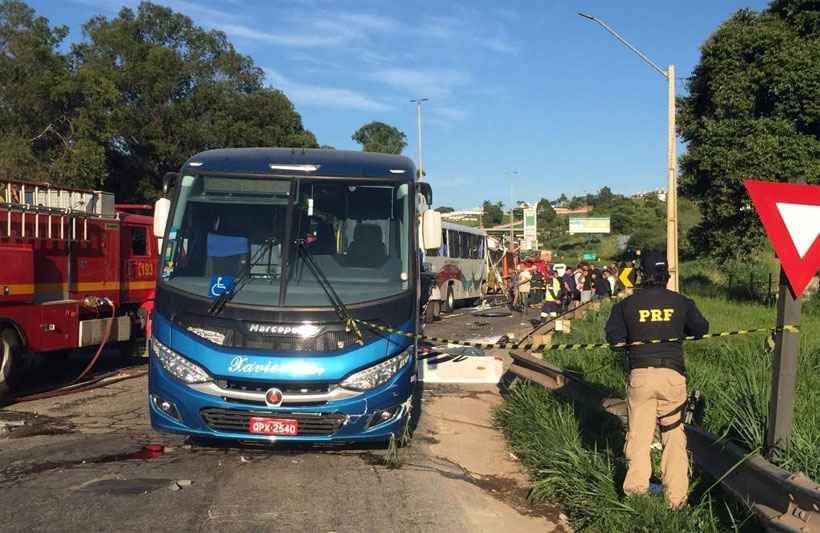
point(380, 137)
point(43, 132)
point(174, 89)
point(752, 112)
point(139, 95)
point(493, 213)
point(444, 209)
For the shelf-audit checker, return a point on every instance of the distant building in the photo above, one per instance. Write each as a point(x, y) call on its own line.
point(583, 210)
point(660, 194)
point(463, 214)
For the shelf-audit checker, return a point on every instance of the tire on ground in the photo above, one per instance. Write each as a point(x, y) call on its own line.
point(448, 304)
point(10, 359)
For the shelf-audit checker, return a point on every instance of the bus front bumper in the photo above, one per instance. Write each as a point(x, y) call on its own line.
point(374, 415)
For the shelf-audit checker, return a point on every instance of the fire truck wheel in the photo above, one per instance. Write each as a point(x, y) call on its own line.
point(9, 359)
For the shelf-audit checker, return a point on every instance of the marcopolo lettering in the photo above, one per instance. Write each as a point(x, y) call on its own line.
point(655, 315)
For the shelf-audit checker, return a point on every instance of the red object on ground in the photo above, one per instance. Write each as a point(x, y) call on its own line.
point(790, 213)
point(151, 451)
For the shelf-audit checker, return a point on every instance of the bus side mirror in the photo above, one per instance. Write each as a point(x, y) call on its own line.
point(168, 181)
point(426, 191)
point(161, 209)
point(431, 229)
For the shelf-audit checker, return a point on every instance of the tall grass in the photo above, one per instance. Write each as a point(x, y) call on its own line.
point(574, 456)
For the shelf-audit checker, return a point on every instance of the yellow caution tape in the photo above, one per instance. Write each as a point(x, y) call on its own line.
point(583, 346)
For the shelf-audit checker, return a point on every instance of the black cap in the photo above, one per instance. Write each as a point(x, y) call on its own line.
point(653, 263)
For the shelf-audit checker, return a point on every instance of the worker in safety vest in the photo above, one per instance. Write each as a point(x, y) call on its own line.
point(657, 378)
point(552, 297)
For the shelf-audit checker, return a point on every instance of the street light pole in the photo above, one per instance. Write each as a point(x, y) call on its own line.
point(512, 215)
point(671, 159)
point(418, 102)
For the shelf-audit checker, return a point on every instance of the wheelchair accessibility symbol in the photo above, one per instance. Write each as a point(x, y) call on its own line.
point(220, 285)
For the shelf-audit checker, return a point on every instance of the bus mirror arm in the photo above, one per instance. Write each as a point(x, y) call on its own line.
point(168, 181)
point(427, 192)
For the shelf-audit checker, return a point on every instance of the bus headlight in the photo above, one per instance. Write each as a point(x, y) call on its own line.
point(176, 365)
point(379, 374)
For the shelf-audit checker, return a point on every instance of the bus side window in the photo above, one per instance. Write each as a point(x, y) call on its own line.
point(454, 244)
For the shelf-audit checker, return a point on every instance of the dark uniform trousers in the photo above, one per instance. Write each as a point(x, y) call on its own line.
point(656, 394)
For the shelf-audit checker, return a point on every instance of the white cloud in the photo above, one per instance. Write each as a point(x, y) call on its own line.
point(323, 96)
point(448, 114)
point(323, 31)
point(432, 83)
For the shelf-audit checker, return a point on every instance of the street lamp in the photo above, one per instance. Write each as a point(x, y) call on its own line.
point(671, 162)
point(418, 102)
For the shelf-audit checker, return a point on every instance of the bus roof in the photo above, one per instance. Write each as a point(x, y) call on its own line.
point(463, 228)
point(299, 162)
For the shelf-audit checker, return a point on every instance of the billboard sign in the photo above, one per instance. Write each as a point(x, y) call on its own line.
point(530, 223)
point(588, 225)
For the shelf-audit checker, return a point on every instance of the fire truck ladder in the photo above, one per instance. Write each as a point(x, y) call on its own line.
point(62, 207)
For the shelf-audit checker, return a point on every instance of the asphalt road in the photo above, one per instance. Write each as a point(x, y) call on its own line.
point(76, 464)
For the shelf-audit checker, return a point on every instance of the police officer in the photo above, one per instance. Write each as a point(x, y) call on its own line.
point(657, 377)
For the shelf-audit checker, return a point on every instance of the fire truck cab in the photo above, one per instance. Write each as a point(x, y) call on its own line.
point(71, 261)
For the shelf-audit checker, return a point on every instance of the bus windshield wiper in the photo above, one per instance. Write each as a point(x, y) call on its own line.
point(243, 279)
point(338, 305)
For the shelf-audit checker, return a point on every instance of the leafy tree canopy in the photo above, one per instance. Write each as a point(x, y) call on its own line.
point(445, 209)
point(380, 137)
point(138, 96)
point(752, 112)
point(493, 213)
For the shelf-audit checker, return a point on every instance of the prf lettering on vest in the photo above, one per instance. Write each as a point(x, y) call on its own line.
point(655, 315)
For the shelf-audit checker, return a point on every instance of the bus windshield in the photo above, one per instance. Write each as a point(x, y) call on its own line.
point(222, 228)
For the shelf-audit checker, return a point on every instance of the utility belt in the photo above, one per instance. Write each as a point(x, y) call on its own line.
point(649, 361)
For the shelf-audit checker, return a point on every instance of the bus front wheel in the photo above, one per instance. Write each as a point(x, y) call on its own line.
point(450, 302)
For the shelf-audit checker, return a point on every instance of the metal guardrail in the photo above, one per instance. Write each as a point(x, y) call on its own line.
point(783, 501)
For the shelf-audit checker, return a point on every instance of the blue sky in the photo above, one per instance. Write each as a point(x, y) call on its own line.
point(517, 86)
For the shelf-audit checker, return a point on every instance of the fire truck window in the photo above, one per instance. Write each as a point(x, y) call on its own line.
point(139, 242)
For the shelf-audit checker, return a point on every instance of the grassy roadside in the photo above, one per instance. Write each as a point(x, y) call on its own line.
point(576, 457)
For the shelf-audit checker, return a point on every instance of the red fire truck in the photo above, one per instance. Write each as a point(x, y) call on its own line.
point(76, 271)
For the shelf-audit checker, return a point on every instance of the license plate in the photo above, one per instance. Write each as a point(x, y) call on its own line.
point(274, 426)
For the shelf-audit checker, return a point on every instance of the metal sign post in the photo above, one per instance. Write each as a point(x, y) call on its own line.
point(784, 371)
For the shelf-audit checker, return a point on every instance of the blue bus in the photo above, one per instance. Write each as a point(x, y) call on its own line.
point(273, 263)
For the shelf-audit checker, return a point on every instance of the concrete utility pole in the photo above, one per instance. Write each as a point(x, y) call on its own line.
point(418, 102)
point(671, 159)
point(512, 215)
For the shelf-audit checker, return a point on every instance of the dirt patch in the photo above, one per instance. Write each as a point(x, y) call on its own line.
point(15, 425)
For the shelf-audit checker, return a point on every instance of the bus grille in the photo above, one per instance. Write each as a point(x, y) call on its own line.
point(238, 420)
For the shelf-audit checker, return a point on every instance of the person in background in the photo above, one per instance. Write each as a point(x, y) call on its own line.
point(601, 285)
point(612, 282)
point(523, 285)
point(656, 396)
point(578, 276)
point(586, 284)
point(552, 297)
point(568, 293)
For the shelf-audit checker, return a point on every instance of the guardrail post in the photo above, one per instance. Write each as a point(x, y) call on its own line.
point(784, 371)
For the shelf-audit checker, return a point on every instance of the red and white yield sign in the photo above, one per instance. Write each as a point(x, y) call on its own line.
point(790, 213)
